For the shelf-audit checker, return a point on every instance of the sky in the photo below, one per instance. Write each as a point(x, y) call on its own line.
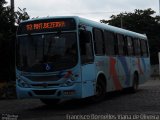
point(92, 9)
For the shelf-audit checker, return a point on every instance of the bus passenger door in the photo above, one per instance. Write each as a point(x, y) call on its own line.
point(87, 63)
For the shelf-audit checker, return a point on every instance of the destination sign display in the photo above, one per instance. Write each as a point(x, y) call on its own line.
point(46, 25)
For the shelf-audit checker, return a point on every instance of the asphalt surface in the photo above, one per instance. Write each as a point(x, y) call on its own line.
point(143, 105)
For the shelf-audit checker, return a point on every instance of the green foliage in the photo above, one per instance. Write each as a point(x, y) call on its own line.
point(6, 31)
point(7, 39)
point(141, 21)
point(21, 15)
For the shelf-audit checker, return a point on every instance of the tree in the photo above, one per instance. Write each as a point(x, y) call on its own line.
point(7, 39)
point(141, 21)
point(6, 34)
point(21, 15)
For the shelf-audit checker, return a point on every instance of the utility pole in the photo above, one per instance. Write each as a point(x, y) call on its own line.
point(12, 43)
point(159, 62)
point(159, 7)
point(121, 22)
point(12, 5)
point(12, 10)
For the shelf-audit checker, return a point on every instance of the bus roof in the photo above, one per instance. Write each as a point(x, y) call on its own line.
point(111, 28)
point(95, 24)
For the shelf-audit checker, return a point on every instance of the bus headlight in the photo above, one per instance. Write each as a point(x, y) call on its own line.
point(23, 84)
point(68, 82)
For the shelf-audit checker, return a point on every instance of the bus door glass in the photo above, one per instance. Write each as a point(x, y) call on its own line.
point(87, 59)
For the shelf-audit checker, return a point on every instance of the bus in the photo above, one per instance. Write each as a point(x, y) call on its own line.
point(69, 57)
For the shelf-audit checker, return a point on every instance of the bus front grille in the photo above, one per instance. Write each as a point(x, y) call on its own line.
point(44, 78)
point(44, 92)
point(44, 85)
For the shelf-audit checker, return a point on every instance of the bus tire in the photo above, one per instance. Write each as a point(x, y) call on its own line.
point(135, 84)
point(50, 101)
point(100, 90)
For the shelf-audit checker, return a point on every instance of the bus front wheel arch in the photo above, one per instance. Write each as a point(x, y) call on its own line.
point(135, 82)
point(100, 89)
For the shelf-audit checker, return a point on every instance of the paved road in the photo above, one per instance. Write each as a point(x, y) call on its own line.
point(145, 104)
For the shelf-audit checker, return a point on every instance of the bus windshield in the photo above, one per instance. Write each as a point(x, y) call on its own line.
point(46, 52)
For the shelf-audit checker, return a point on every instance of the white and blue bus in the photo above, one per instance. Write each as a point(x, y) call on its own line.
point(71, 58)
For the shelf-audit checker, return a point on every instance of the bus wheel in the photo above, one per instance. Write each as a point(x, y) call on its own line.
point(50, 101)
point(135, 83)
point(100, 91)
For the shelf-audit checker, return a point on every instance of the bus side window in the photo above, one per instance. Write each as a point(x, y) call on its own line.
point(130, 46)
point(98, 42)
point(121, 44)
point(137, 47)
point(125, 46)
point(115, 44)
point(109, 42)
point(144, 51)
point(146, 44)
point(86, 49)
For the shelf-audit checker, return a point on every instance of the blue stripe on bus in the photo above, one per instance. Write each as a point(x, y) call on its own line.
point(143, 61)
point(126, 70)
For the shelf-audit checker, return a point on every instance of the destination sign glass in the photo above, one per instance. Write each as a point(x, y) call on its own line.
point(46, 25)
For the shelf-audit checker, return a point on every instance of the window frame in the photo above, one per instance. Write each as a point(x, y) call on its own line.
point(130, 53)
point(121, 47)
point(109, 43)
point(95, 43)
point(137, 47)
point(143, 44)
point(91, 45)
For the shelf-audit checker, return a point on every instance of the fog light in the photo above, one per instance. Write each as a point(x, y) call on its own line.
point(23, 84)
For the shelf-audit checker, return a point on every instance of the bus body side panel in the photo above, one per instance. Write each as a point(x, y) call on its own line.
point(101, 68)
point(147, 66)
point(108, 66)
point(114, 81)
point(88, 80)
point(109, 75)
point(121, 71)
point(124, 71)
point(142, 66)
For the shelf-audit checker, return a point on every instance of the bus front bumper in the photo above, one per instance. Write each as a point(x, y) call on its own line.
point(70, 92)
